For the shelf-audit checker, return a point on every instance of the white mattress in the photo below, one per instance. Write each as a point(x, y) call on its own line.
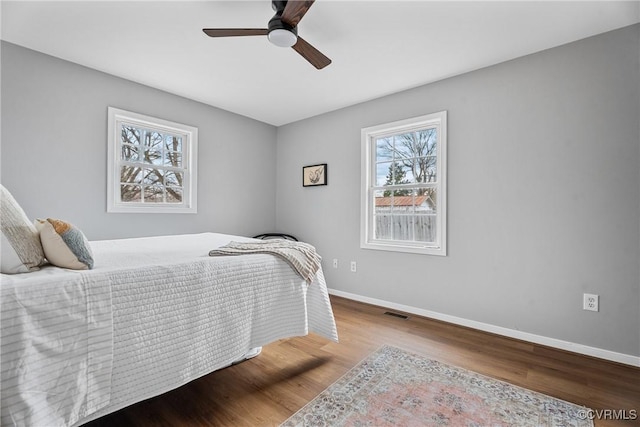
point(154, 314)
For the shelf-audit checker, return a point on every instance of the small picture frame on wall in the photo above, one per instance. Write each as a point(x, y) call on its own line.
point(314, 175)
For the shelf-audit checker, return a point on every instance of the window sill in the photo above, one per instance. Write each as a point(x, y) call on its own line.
point(397, 247)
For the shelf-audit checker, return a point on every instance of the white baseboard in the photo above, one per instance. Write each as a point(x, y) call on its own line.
point(525, 336)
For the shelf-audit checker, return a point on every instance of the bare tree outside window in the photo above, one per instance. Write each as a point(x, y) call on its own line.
point(151, 168)
point(414, 155)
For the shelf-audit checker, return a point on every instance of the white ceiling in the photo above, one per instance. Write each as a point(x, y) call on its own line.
point(377, 47)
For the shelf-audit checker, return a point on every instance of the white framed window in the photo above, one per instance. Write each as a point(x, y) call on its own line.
point(152, 164)
point(404, 186)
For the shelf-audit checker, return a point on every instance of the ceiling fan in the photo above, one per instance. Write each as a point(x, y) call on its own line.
point(282, 31)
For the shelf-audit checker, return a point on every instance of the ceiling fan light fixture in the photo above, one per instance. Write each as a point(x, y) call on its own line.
point(282, 37)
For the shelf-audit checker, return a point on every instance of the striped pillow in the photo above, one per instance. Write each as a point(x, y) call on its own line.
point(21, 248)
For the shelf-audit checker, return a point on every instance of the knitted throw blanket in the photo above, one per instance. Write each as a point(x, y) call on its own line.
point(302, 257)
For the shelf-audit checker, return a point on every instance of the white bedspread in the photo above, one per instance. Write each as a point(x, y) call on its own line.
point(56, 348)
point(175, 314)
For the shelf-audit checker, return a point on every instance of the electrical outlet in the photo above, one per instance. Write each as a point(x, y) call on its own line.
point(335, 263)
point(353, 267)
point(590, 302)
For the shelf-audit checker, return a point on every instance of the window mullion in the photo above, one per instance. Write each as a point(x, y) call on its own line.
point(152, 166)
point(405, 186)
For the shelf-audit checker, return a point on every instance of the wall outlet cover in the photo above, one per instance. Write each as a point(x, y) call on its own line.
point(590, 302)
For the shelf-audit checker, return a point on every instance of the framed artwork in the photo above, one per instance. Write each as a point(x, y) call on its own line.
point(314, 175)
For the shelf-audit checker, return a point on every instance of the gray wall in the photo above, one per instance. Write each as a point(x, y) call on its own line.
point(544, 195)
point(544, 182)
point(54, 145)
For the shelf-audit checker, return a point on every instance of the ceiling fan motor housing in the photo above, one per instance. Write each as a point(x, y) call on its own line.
point(280, 33)
point(276, 24)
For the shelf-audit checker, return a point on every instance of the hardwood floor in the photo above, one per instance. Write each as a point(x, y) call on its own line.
point(266, 390)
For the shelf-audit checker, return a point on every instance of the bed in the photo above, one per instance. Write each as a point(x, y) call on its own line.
point(153, 314)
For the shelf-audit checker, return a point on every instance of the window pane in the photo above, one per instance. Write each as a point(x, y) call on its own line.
point(382, 171)
point(173, 143)
point(381, 203)
point(424, 228)
point(427, 142)
point(426, 201)
point(153, 157)
point(408, 173)
point(384, 149)
point(403, 201)
point(130, 153)
point(402, 227)
point(382, 227)
point(154, 194)
point(174, 194)
point(130, 193)
point(172, 158)
point(130, 135)
point(425, 218)
point(404, 146)
point(424, 142)
point(396, 174)
point(154, 140)
point(408, 166)
point(173, 178)
point(153, 147)
point(426, 169)
point(153, 176)
point(130, 174)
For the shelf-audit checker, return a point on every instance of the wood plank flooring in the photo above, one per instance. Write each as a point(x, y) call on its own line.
point(266, 390)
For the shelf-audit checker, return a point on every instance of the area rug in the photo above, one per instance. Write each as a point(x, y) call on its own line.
point(392, 387)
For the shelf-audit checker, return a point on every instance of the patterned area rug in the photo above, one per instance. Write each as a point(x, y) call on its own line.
point(394, 388)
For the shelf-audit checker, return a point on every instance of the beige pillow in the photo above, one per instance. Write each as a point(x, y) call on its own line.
point(64, 245)
point(21, 248)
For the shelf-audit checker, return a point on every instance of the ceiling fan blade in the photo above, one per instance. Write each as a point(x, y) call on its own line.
point(311, 54)
point(295, 10)
point(234, 32)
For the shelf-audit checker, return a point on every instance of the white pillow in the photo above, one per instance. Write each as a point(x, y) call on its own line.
point(64, 245)
point(20, 243)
